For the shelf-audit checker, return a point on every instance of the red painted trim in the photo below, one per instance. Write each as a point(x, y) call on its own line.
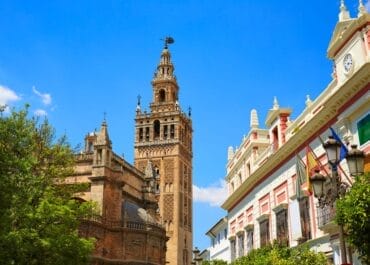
point(313, 212)
point(289, 223)
point(317, 109)
point(303, 145)
point(301, 124)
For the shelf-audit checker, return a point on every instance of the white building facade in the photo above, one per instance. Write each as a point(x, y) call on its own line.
point(266, 202)
point(220, 246)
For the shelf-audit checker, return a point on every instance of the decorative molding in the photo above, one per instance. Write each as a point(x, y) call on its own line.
point(280, 207)
point(333, 102)
point(240, 232)
point(232, 238)
point(249, 227)
point(263, 217)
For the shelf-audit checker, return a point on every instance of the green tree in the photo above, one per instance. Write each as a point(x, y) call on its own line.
point(214, 262)
point(38, 219)
point(281, 255)
point(353, 211)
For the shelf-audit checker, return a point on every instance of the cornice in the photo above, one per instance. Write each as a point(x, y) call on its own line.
point(278, 208)
point(322, 120)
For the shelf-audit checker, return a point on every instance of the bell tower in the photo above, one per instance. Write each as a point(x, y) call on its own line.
point(164, 137)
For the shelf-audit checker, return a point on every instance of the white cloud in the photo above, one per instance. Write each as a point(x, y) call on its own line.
point(214, 195)
point(7, 95)
point(368, 5)
point(40, 112)
point(45, 97)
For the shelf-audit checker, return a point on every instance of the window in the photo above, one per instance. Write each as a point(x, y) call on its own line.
point(157, 129)
point(141, 134)
point(162, 95)
point(147, 134)
point(363, 129)
point(264, 233)
point(233, 249)
point(213, 242)
point(304, 211)
point(165, 132)
point(225, 233)
point(218, 238)
point(241, 245)
point(172, 131)
point(282, 227)
point(157, 188)
point(99, 156)
point(249, 240)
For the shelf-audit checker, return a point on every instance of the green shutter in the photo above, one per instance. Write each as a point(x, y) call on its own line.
point(364, 129)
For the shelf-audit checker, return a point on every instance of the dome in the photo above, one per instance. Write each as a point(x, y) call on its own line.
point(134, 213)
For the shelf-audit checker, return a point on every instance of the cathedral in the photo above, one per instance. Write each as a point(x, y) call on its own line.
point(144, 210)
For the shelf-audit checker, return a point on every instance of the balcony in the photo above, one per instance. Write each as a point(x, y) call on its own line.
point(325, 219)
point(125, 224)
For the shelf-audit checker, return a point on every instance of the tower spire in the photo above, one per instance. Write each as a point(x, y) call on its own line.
point(254, 119)
point(275, 104)
point(344, 13)
point(138, 106)
point(103, 137)
point(165, 87)
point(165, 67)
point(361, 8)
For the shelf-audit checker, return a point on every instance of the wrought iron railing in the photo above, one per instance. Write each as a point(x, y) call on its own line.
point(325, 215)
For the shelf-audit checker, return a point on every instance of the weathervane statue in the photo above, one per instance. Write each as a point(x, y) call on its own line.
point(168, 40)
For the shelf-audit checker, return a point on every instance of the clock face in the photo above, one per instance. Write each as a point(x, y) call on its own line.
point(347, 62)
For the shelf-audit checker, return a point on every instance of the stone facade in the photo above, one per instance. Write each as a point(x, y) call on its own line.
point(164, 137)
point(127, 227)
point(142, 206)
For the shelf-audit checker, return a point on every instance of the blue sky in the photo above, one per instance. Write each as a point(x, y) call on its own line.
point(74, 60)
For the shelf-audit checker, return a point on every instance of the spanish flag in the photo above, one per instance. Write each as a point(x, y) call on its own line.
point(312, 164)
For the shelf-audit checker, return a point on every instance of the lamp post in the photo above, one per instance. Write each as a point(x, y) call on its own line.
point(328, 189)
point(196, 258)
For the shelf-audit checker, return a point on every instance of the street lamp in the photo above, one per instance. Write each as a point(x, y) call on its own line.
point(355, 160)
point(332, 148)
point(197, 259)
point(318, 184)
point(329, 189)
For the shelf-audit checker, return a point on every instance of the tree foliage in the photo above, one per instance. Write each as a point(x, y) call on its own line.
point(353, 211)
point(281, 255)
point(38, 218)
point(214, 262)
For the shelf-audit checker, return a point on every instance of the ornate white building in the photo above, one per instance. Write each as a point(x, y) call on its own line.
point(264, 201)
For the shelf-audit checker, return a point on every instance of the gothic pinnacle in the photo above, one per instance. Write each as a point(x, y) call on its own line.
point(344, 13)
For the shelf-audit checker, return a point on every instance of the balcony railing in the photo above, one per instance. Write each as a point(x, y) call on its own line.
point(135, 225)
point(325, 215)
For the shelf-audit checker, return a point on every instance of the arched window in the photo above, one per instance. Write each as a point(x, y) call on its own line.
point(172, 131)
point(162, 95)
point(157, 129)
